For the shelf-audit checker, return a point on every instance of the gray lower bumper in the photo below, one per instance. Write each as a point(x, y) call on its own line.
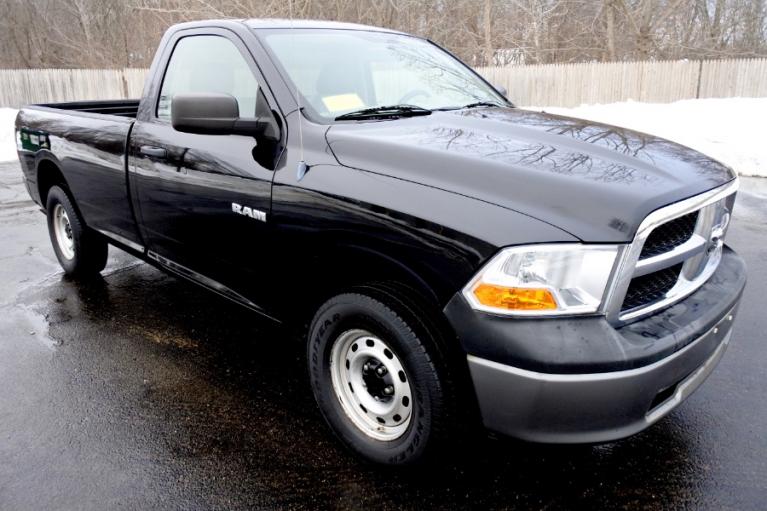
point(598, 407)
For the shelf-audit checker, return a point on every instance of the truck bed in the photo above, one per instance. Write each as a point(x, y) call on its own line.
point(86, 141)
point(119, 107)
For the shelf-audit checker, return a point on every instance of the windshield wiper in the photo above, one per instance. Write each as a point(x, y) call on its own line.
point(385, 111)
point(481, 103)
point(470, 105)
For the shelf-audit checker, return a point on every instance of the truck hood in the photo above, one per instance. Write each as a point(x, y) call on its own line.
point(595, 181)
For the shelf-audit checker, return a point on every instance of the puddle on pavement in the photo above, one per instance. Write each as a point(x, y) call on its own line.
point(27, 322)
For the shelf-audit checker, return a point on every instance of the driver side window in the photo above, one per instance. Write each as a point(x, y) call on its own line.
point(208, 63)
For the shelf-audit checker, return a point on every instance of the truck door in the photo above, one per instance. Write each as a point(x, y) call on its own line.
point(203, 200)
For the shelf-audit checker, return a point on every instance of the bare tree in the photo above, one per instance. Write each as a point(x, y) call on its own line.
point(120, 33)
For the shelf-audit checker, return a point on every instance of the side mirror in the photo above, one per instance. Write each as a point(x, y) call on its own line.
point(501, 89)
point(212, 113)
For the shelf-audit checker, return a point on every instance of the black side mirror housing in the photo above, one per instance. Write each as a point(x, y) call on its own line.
point(213, 113)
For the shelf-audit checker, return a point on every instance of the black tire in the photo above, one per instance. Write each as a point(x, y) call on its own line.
point(89, 248)
point(432, 420)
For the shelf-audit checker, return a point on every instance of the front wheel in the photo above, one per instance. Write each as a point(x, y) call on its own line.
point(80, 251)
point(378, 379)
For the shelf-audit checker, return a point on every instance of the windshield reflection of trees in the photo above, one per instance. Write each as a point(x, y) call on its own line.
point(436, 70)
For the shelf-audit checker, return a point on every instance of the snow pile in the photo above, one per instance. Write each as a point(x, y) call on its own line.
point(7, 136)
point(729, 130)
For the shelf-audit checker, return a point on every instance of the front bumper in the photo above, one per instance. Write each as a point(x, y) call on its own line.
point(584, 381)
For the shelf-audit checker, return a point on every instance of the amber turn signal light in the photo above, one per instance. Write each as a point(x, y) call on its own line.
point(515, 298)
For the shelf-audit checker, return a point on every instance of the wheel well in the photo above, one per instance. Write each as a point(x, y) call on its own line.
point(341, 271)
point(48, 175)
point(384, 279)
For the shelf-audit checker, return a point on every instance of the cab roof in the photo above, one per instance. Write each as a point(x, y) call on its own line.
point(270, 23)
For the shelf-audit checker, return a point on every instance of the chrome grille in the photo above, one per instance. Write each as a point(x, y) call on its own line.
point(675, 250)
point(670, 235)
point(651, 287)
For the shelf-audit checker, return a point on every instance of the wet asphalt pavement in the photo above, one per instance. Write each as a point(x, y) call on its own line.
point(140, 391)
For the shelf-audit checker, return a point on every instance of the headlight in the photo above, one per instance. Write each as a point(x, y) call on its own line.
point(544, 280)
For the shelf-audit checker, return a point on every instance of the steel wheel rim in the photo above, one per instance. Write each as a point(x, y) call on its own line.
point(362, 391)
point(62, 229)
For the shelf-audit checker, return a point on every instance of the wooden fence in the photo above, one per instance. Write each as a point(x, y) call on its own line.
point(545, 85)
point(569, 85)
point(23, 86)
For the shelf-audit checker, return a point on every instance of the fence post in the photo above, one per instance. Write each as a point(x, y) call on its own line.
point(126, 92)
point(700, 77)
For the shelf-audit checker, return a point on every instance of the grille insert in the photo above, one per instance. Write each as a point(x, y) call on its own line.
point(650, 288)
point(670, 235)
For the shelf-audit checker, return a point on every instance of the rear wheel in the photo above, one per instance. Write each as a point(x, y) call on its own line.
point(80, 251)
point(378, 379)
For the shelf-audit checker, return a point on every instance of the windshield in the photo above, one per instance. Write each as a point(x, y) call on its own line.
point(342, 71)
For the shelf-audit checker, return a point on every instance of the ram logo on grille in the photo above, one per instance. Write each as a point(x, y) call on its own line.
point(716, 239)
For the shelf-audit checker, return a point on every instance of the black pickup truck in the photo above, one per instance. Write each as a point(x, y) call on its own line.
point(451, 259)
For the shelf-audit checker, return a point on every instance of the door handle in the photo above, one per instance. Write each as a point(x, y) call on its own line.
point(154, 152)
